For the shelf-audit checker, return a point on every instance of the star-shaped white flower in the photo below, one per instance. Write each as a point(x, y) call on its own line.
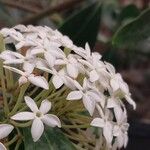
point(59, 77)
point(71, 64)
point(11, 35)
point(119, 87)
point(96, 69)
point(107, 126)
point(50, 50)
point(88, 96)
point(121, 127)
point(25, 76)
point(5, 130)
point(63, 39)
point(39, 116)
point(28, 61)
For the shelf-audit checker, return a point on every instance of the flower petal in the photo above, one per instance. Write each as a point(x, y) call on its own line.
point(22, 80)
point(120, 141)
point(60, 62)
point(111, 103)
point(74, 95)
point(36, 51)
point(110, 68)
point(31, 104)
point(94, 76)
point(88, 50)
point(107, 131)
point(51, 120)
point(114, 84)
point(116, 130)
point(39, 81)
point(72, 70)
point(118, 112)
point(50, 59)
point(69, 82)
point(130, 101)
point(89, 104)
point(45, 106)
point(5, 130)
point(44, 69)
point(94, 95)
point(13, 61)
point(14, 70)
point(125, 140)
point(57, 81)
point(22, 116)
point(98, 122)
point(37, 129)
point(2, 147)
point(28, 67)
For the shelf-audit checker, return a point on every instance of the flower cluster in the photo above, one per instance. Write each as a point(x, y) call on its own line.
point(96, 83)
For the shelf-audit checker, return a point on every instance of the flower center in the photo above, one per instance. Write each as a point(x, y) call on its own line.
point(38, 114)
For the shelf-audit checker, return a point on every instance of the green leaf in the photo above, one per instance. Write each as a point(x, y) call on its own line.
point(83, 26)
point(52, 139)
point(129, 12)
point(134, 33)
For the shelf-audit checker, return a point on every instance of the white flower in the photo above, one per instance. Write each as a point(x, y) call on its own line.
point(5, 130)
point(86, 53)
point(83, 72)
point(11, 35)
point(39, 116)
point(72, 65)
point(28, 60)
point(96, 69)
point(59, 77)
point(107, 126)
point(121, 88)
point(121, 127)
point(51, 51)
point(25, 76)
point(63, 39)
point(88, 96)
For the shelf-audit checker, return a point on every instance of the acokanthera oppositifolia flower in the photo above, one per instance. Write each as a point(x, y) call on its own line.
point(74, 79)
point(39, 116)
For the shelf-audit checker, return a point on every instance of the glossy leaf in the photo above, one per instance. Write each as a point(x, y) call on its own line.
point(52, 139)
point(129, 12)
point(134, 33)
point(83, 26)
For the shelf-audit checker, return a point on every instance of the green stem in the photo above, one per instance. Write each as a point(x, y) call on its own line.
point(57, 93)
point(19, 100)
point(18, 144)
point(2, 78)
point(78, 147)
point(33, 91)
point(45, 92)
point(21, 125)
point(9, 79)
point(14, 139)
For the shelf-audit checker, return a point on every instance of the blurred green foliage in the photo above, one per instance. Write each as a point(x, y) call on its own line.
point(52, 139)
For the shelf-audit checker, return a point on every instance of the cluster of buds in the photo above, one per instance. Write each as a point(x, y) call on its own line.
point(45, 58)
